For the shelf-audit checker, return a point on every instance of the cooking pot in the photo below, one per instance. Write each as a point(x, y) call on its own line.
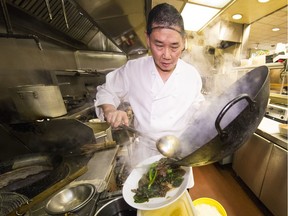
point(38, 101)
point(115, 207)
point(226, 121)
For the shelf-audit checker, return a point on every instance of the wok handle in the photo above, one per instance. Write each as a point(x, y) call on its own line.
point(223, 134)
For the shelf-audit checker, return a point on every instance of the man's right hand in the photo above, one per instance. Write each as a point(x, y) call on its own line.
point(115, 117)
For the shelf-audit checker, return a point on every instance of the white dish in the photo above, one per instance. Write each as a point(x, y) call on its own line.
point(153, 203)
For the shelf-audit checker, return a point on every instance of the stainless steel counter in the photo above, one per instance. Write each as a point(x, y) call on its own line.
point(100, 166)
point(265, 167)
point(269, 129)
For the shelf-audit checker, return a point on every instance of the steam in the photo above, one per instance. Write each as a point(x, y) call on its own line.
point(216, 69)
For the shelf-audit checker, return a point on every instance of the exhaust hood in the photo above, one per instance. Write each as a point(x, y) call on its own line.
point(226, 33)
point(102, 25)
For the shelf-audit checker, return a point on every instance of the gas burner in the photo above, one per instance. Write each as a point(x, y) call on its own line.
point(9, 201)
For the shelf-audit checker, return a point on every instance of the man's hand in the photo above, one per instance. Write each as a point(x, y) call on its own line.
point(115, 117)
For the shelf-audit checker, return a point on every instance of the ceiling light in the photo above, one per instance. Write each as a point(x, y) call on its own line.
point(211, 3)
point(196, 16)
point(275, 29)
point(263, 1)
point(237, 16)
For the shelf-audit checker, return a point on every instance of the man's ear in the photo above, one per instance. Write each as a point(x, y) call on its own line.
point(147, 40)
point(185, 41)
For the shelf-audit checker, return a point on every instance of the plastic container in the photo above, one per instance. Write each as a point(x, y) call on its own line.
point(211, 202)
point(182, 206)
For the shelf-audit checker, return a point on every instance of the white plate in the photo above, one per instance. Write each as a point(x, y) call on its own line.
point(153, 203)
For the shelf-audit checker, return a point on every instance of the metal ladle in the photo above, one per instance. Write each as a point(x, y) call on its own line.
point(169, 146)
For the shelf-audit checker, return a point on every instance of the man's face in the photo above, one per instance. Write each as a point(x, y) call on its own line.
point(166, 46)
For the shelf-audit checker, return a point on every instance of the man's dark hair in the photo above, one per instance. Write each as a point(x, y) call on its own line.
point(165, 16)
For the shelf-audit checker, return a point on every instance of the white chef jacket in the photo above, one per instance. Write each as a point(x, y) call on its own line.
point(160, 108)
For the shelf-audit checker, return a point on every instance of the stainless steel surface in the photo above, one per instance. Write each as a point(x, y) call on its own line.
point(48, 192)
point(100, 167)
point(121, 21)
point(119, 25)
point(35, 102)
point(269, 129)
point(70, 199)
point(84, 25)
point(168, 146)
point(274, 189)
point(227, 33)
point(265, 167)
point(256, 153)
point(11, 200)
point(49, 9)
point(9, 30)
point(102, 130)
point(277, 112)
point(98, 171)
point(64, 13)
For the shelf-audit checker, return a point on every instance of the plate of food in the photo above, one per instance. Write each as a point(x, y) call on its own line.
point(154, 183)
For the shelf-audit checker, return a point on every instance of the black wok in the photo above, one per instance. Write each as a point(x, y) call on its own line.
point(31, 174)
point(225, 122)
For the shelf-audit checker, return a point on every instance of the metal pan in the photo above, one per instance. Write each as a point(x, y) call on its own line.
point(225, 122)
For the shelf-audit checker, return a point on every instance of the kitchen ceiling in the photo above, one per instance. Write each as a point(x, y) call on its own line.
point(262, 17)
point(119, 25)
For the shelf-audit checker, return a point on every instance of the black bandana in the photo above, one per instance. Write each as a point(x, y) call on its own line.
point(167, 27)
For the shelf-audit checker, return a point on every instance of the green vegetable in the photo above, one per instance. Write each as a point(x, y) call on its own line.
point(152, 174)
point(157, 181)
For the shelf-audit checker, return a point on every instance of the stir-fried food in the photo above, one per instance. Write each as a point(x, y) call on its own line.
point(161, 177)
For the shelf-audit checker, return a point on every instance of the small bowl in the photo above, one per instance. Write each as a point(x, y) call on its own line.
point(70, 199)
point(211, 202)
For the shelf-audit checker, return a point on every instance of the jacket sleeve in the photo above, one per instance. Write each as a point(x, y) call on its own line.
point(113, 91)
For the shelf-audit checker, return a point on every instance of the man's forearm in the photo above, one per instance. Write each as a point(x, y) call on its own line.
point(107, 108)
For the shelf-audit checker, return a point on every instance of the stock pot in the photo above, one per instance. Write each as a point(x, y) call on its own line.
point(38, 101)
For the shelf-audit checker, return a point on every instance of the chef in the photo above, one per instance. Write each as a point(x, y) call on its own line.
point(162, 90)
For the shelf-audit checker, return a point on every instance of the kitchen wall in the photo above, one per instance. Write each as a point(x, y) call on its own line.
point(23, 63)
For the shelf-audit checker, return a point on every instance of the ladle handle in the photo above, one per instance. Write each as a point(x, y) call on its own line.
point(223, 134)
point(128, 128)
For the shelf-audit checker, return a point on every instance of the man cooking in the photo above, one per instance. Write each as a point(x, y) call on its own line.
point(162, 90)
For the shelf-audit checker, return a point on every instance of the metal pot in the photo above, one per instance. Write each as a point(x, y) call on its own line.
point(225, 122)
point(38, 101)
point(117, 206)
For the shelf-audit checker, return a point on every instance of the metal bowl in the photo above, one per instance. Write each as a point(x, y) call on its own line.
point(70, 199)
